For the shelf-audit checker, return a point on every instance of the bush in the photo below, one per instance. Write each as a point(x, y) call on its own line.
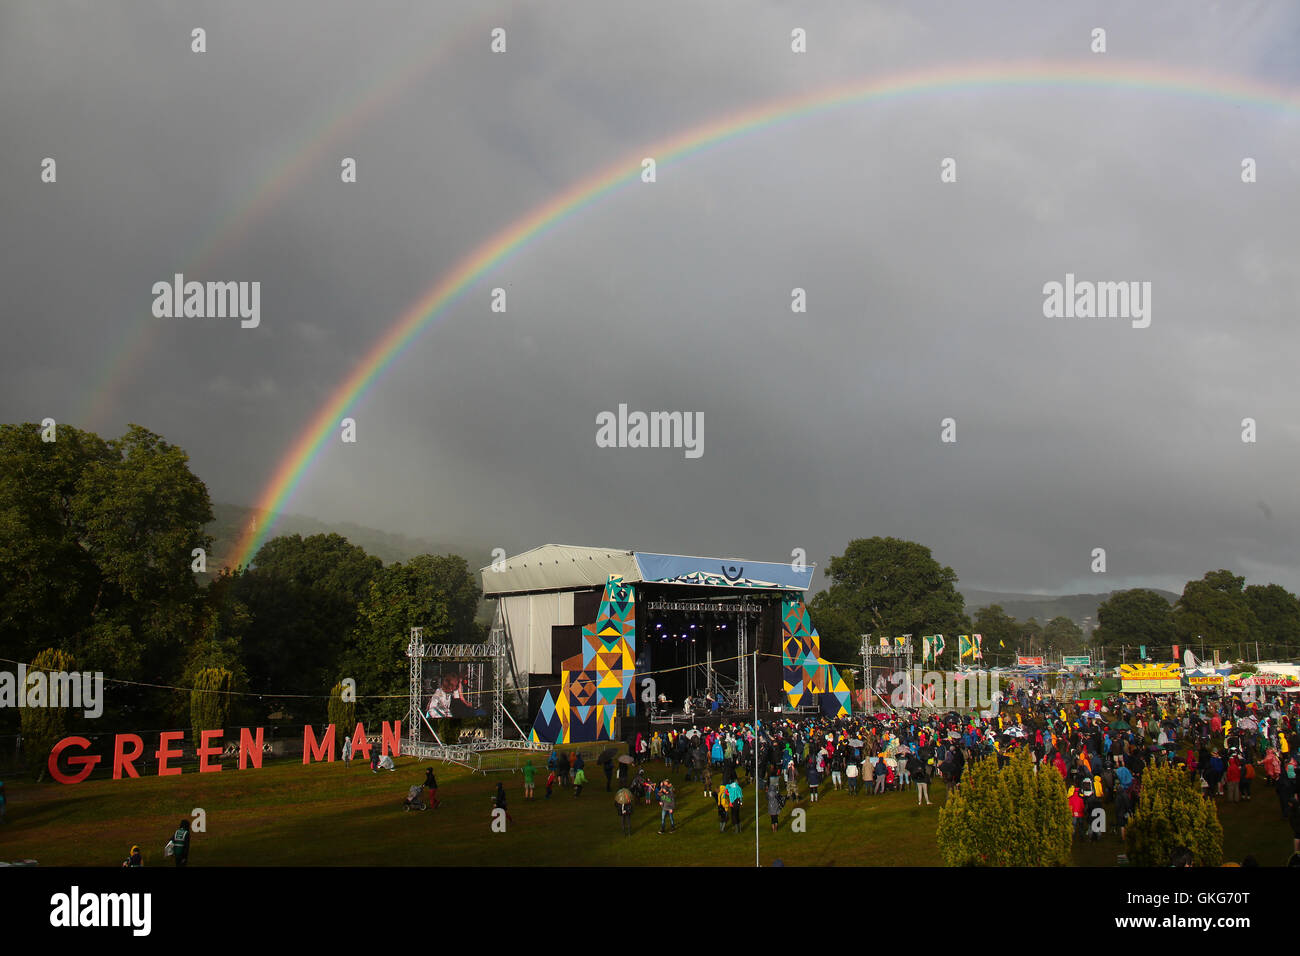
point(209, 701)
point(1007, 817)
point(1171, 815)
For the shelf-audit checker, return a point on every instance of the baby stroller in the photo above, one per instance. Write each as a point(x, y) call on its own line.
point(413, 799)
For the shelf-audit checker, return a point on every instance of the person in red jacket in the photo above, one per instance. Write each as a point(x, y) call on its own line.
point(1233, 778)
point(1076, 811)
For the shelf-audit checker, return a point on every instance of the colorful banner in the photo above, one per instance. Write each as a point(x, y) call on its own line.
point(1028, 661)
point(1083, 661)
point(1150, 678)
point(1262, 680)
point(1204, 681)
point(900, 643)
point(965, 646)
point(884, 643)
point(979, 646)
point(938, 645)
point(925, 650)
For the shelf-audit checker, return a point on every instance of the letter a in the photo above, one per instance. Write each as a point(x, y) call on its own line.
point(648, 169)
point(798, 300)
point(498, 44)
point(498, 299)
point(1247, 170)
point(47, 430)
point(200, 563)
point(349, 173)
point(948, 170)
point(349, 426)
point(498, 820)
point(1098, 560)
point(49, 172)
point(200, 38)
point(798, 40)
point(1098, 40)
point(798, 820)
point(949, 433)
point(1248, 430)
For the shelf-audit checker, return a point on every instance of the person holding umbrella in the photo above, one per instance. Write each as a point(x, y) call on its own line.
point(623, 804)
point(667, 804)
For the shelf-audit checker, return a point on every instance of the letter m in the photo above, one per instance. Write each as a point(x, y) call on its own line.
point(311, 750)
point(1112, 300)
point(223, 301)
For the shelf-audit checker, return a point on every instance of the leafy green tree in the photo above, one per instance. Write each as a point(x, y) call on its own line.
point(1007, 817)
point(1132, 618)
point(95, 554)
point(209, 701)
point(1063, 636)
point(342, 713)
point(303, 595)
point(43, 727)
point(891, 587)
point(1000, 630)
point(440, 594)
point(1275, 619)
point(1171, 815)
point(1214, 612)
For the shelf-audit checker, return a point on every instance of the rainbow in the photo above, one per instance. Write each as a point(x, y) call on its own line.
point(1101, 73)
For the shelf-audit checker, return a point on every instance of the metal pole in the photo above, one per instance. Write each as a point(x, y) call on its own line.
point(755, 755)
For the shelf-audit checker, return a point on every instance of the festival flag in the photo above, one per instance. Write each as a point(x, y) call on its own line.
point(965, 646)
point(979, 646)
point(938, 645)
point(900, 643)
point(884, 643)
point(925, 650)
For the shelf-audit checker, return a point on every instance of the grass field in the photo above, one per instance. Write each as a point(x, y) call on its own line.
point(324, 815)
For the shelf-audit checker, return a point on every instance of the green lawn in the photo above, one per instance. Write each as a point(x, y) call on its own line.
point(324, 815)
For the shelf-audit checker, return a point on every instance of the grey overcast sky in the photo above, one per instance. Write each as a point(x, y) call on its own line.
point(925, 299)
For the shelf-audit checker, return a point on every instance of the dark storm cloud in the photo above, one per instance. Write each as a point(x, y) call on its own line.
point(925, 300)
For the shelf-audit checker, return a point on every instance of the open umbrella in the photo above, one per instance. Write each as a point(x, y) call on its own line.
point(626, 758)
point(606, 754)
point(1120, 725)
point(624, 795)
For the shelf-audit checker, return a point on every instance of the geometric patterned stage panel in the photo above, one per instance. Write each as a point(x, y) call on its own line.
point(594, 681)
point(804, 671)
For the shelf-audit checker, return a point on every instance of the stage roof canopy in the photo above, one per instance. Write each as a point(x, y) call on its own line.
point(562, 567)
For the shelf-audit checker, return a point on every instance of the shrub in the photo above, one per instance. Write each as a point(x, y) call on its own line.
point(1172, 815)
point(209, 701)
point(1007, 817)
point(43, 727)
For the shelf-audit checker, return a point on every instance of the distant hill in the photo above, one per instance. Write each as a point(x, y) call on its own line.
point(1080, 608)
point(230, 520)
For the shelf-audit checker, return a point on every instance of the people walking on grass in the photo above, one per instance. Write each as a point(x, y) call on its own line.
point(737, 798)
point(667, 804)
point(579, 781)
point(921, 777)
point(134, 858)
point(724, 808)
point(347, 752)
point(431, 784)
point(530, 774)
point(773, 805)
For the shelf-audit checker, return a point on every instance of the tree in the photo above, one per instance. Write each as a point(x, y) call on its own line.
point(1130, 619)
point(440, 594)
point(1000, 630)
point(1007, 817)
point(1214, 612)
point(44, 726)
point(303, 595)
point(1275, 619)
point(1063, 636)
point(1170, 816)
point(96, 545)
point(209, 701)
point(342, 713)
point(891, 587)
